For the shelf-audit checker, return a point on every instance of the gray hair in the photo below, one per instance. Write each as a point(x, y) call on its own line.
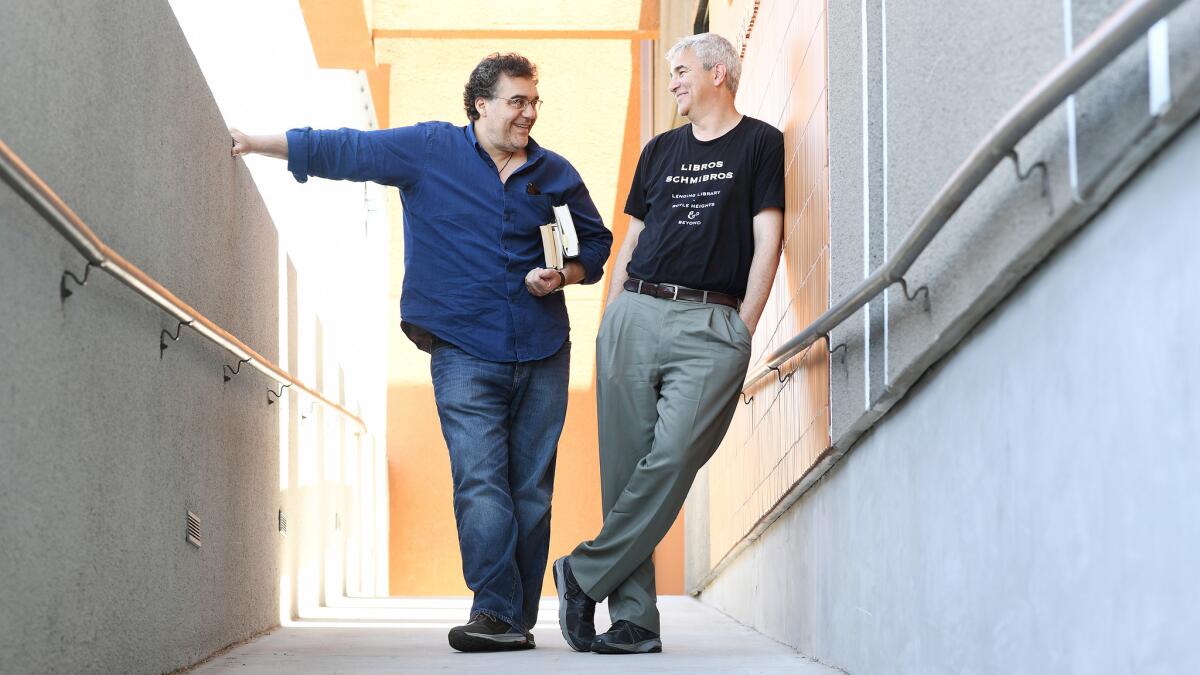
point(712, 49)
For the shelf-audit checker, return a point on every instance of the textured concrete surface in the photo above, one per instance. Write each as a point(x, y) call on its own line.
point(938, 77)
point(951, 72)
point(398, 635)
point(332, 483)
point(103, 446)
point(847, 202)
point(1030, 506)
point(913, 87)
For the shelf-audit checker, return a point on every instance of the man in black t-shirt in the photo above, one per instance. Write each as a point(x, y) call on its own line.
point(688, 287)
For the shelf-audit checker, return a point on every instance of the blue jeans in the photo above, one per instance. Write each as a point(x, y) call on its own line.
point(501, 422)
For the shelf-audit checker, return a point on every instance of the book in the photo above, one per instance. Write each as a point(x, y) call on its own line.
point(552, 246)
point(566, 229)
point(559, 240)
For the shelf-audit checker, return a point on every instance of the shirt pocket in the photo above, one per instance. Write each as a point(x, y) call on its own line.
point(530, 212)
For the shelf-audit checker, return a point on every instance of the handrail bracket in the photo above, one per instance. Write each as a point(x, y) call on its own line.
point(63, 291)
point(922, 290)
point(164, 334)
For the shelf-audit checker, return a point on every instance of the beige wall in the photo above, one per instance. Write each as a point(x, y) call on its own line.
point(778, 436)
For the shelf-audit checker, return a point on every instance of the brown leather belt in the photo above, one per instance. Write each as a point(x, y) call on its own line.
point(674, 292)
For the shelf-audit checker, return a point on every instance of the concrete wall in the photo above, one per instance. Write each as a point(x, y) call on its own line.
point(103, 446)
point(334, 315)
point(1029, 508)
point(942, 543)
point(913, 88)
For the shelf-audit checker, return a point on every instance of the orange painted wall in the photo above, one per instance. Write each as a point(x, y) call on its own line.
point(423, 550)
point(778, 436)
point(340, 33)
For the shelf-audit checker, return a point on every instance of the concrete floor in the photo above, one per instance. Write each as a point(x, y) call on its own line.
point(406, 635)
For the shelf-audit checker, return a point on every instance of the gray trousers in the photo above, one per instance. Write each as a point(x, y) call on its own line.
point(668, 377)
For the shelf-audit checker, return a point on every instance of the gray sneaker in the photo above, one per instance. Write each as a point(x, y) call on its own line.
point(485, 634)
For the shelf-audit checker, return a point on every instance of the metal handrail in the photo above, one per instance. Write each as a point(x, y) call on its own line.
point(1121, 29)
point(51, 207)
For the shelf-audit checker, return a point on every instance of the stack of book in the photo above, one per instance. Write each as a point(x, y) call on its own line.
point(559, 239)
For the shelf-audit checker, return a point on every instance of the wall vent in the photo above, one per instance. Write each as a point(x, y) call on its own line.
point(193, 529)
point(282, 523)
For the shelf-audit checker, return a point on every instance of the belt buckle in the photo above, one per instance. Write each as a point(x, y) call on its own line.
point(639, 290)
point(675, 295)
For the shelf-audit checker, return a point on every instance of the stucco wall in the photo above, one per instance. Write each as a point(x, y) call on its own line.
point(333, 298)
point(103, 446)
point(912, 89)
point(1017, 467)
point(1029, 507)
point(936, 77)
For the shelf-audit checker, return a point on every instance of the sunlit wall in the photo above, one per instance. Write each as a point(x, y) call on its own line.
point(332, 300)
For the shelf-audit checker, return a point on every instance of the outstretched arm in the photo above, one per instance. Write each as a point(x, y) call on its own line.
point(386, 156)
point(271, 145)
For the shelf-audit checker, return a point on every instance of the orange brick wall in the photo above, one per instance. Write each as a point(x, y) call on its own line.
point(779, 435)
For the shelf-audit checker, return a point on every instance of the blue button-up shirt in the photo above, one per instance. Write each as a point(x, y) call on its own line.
point(469, 240)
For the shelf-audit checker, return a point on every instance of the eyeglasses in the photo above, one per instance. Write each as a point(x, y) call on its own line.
point(521, 103)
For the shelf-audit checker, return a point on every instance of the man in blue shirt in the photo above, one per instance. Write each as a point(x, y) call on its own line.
point(476, 297)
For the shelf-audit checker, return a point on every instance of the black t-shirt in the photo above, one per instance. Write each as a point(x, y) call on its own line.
point(698, 200)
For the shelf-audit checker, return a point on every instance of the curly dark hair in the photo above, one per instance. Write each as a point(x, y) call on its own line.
point(482, 82)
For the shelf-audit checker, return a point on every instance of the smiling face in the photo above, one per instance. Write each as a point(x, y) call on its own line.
point(694, 88)
point(501, 125)
point(688, 81)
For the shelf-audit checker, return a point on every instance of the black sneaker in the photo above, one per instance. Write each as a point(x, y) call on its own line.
point(627, 638)
point(576, 611)
point(485, 634)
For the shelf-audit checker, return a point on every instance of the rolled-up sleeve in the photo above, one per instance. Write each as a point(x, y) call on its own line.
point(297, 146)
point(595, 240)
point(387, 156)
